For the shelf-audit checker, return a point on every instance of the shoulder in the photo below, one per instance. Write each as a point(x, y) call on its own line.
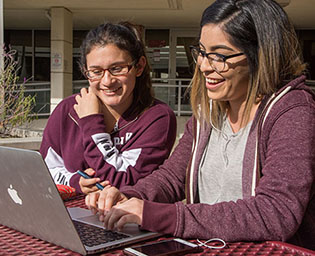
point(161, 108)
point(160, 116)
point(291, 105)
point(68, 101)
point(66, 104)
point(63, 108)
point(300, 94)
point(296, 97)
point(293, 95)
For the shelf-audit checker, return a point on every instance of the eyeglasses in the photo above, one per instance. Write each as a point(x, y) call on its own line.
point(98, 73)
point(216, 60)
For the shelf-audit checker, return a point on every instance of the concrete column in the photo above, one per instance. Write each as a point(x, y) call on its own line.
point(61, 55)
point(1, 33)
point(1, 53)
point(172, 68)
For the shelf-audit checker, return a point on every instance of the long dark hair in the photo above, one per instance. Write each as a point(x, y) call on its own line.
point(126, 37)
point(262, 30)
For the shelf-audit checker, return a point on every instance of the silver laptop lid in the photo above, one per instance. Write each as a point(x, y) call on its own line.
point(30, 201)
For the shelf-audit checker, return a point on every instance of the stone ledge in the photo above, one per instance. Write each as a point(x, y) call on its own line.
point(32, 143)
point(25, 133)
point(27, 136)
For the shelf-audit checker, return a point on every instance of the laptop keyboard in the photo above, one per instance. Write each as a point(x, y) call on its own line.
point(92, 235)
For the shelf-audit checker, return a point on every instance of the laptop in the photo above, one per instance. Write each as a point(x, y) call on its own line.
point(30, 203)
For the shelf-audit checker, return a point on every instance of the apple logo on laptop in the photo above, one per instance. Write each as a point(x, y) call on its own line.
point(14, 195)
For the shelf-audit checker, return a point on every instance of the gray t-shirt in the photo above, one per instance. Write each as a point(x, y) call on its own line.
point(220, 171)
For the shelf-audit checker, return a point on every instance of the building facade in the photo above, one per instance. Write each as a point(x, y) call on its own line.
point(48, 51)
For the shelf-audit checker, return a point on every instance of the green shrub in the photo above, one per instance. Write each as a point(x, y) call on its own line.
point(15, 107)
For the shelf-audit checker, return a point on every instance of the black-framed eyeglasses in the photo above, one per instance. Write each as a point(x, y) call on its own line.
point(216, 60)
point(95, 74)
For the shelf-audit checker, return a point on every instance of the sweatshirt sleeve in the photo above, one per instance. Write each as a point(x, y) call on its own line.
point(146, 146)
point(167, 183)
point(282, 195)
point(164, 188)
point(51, 147)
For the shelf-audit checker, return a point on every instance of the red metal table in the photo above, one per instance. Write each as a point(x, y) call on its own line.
point(13, 242)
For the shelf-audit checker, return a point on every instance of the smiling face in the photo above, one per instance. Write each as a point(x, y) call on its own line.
point(232, 83)
point(115, 92)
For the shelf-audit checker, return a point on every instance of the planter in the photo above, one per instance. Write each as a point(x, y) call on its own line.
point(27, 137)
point(32, 143)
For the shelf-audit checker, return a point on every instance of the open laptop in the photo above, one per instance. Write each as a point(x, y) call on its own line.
point(30, 203)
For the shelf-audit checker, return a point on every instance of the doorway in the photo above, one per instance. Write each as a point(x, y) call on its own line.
point(181, 68)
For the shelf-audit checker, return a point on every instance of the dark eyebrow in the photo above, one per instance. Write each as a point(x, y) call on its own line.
point(94, 67)
point(112, 65)
point(216, 47)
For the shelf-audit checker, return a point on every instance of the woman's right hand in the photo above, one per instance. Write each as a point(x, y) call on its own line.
point(101, 202)
point(87, 103)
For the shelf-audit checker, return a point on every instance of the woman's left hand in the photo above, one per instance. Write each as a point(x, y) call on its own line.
point(89, 185)
point(87, 103)
point(127, 212)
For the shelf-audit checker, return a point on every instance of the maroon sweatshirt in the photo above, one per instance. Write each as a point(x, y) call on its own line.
point(136, 147)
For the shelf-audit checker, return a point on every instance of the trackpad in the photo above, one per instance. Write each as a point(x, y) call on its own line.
point(92, 219)
point(87, 216)
point(129, 228)
point(84, 215)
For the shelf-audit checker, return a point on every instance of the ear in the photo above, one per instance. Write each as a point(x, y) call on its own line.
point(140, 66)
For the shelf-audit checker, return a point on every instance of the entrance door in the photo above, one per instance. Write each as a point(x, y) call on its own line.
point(181, 67)
point(172, 65)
